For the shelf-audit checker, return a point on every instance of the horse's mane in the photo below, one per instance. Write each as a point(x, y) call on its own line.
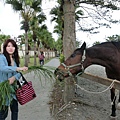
point(117, 44)
point(108, 44)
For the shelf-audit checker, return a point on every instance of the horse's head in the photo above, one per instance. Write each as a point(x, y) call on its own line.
point(73, 65)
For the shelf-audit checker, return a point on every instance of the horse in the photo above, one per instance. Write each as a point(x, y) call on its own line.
point(106, 54)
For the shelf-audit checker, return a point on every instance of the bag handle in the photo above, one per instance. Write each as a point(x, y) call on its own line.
point(24, 81)
point(23, 78)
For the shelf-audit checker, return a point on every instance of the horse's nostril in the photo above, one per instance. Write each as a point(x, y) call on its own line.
point(55, 72)
point(58, 77)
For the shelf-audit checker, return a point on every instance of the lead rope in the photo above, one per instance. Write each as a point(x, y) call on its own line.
point(111, 85)
point(108, 88)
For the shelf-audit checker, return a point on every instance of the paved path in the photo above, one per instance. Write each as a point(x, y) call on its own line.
point(38, 109)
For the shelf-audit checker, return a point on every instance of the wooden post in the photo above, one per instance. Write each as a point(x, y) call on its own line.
point(104, 81)
point(69, 90)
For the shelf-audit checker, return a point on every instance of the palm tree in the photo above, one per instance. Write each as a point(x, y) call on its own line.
point(45, 38)
point(2, 39)
point(58, 17)
point(113, 38)
point(57, 13)
point(23, 7)
point(38, 18)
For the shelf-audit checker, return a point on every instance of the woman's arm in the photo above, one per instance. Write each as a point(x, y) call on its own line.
point(8, 69)
point(4, 65)
point(16, 76)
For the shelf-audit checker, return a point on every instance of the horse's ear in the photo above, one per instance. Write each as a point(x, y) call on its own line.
point(83, 46)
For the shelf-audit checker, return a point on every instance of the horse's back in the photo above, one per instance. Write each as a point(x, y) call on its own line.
point(111, 44)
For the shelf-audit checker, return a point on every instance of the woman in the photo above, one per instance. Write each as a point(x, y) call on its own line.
point(41, 58)
point(9, 67)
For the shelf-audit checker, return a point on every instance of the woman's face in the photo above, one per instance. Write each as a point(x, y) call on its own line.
point(10, 48)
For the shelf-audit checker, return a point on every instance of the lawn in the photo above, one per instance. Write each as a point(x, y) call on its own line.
point(31, 63)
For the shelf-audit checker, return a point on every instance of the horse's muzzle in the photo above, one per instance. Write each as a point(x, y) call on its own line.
point(58, 75)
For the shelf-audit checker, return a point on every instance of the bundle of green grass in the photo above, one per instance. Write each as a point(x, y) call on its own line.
point(5, 93)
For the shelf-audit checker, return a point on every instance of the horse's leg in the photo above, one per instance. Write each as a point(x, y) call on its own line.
point(113, 98)
point(111, 74)
point(118, 105)
point(119, 97)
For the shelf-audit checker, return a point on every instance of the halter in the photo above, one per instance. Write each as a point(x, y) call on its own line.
point(75, 65)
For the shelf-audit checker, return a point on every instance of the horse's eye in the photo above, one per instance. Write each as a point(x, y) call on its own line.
point(73, 55)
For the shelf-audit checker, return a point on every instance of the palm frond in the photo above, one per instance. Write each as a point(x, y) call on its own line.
point(45, 71)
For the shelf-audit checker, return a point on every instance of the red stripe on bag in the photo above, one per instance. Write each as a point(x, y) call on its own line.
point(26, 93)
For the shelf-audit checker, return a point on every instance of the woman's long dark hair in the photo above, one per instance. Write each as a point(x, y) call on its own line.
point(15, 54)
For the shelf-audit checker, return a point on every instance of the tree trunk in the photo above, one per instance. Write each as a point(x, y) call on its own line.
point(69, 37)
point(26, 50)
point(69, 40)
point(34, 38)
point(35, 63)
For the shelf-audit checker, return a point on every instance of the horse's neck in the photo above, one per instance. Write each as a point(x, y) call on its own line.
point(96, 56)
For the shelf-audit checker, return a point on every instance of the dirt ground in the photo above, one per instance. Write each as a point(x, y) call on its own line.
point(87, 106)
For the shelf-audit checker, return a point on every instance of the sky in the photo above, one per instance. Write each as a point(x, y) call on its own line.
point(9, 21)
point(10, 24)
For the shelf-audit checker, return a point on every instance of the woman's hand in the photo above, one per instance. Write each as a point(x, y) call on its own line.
point(11, 80)
point(22, 68)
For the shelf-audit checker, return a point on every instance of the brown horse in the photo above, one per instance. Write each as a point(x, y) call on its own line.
point(106, 54)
